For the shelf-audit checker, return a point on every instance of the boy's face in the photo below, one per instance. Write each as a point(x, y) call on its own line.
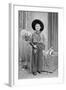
point(37, 28)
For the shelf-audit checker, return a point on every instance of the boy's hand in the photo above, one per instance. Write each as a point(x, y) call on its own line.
point(35, 46)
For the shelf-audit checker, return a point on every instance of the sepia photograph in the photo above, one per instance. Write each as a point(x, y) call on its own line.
point(37, 44)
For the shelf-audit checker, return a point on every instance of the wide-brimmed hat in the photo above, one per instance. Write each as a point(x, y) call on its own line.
point(37, 21)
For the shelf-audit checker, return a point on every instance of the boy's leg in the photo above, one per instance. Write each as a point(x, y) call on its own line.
point(40, 61)
point(34, 63)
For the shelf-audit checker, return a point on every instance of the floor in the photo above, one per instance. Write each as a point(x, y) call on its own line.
point(24, 74)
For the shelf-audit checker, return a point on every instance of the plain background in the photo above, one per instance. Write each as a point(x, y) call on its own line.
point(4, 43)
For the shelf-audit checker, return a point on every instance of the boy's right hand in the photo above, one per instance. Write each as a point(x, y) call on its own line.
point(35, 46)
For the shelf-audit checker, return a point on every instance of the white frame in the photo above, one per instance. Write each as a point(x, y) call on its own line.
point(13, 60)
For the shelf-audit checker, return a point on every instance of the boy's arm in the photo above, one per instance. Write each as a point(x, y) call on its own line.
point(31, 43)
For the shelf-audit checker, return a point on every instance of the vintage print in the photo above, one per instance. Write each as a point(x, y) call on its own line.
point(37, 44)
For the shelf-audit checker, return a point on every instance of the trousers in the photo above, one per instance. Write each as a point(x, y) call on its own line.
point(37, 60)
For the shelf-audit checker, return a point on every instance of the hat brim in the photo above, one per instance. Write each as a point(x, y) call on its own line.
point(37, 21)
